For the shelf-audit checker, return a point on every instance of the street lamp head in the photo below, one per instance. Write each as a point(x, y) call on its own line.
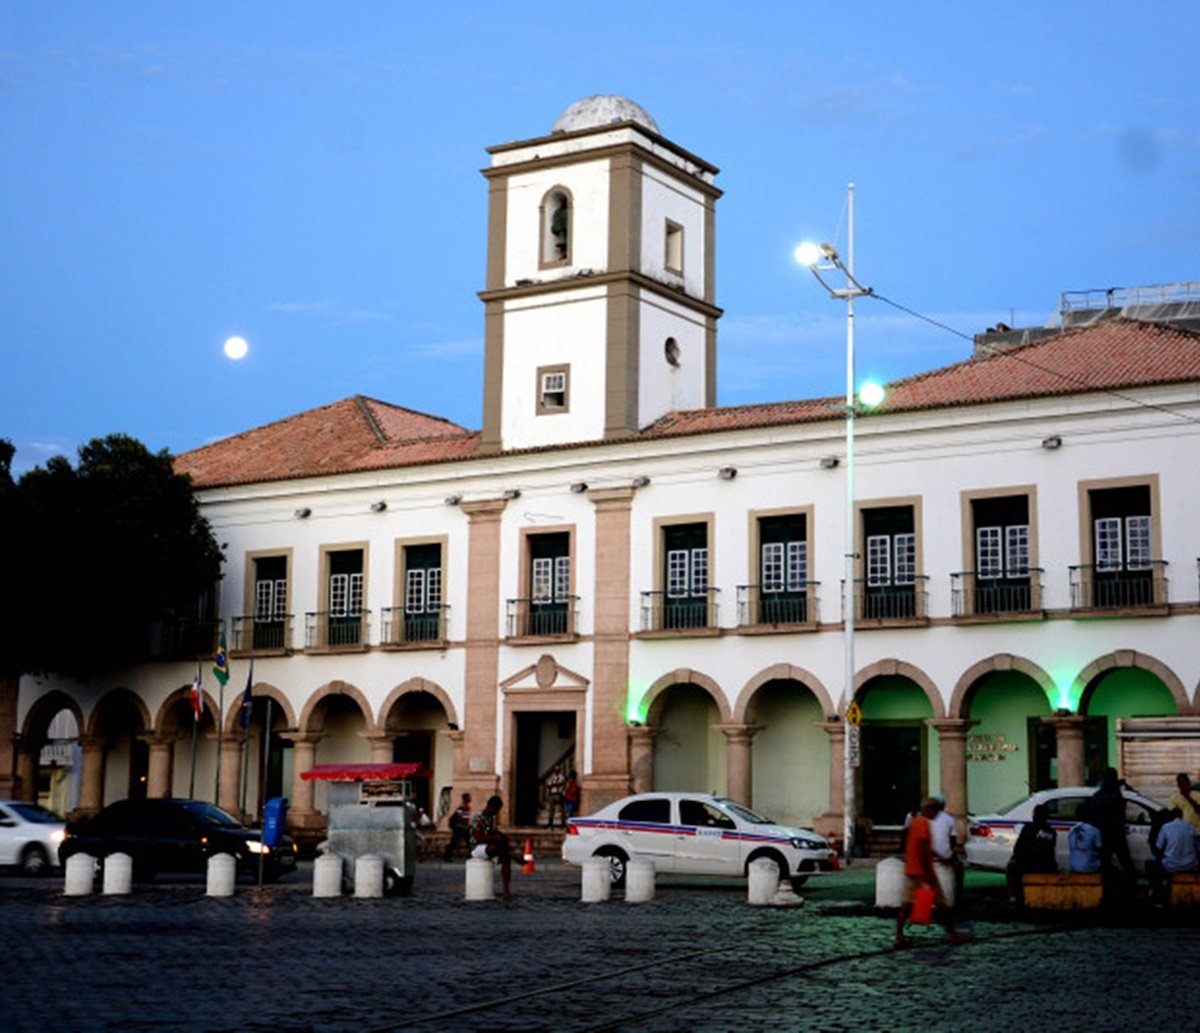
point(871, 394)
point(808, 254)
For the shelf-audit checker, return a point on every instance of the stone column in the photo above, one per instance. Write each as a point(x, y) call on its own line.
point(832, 822)
point(952, 755)
point(301, 811)
point(91, 780)
point(609, 777)
point(158, 773)
point(9, 690)
point(738, 781)
point(382, 746)
point(27, 771)
point(229, 781)
point(482, 661)
point(1068, 730)
point(641, 758)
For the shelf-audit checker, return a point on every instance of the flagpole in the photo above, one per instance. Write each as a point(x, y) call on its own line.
point(246, 737)
point(195, 726)
point(220, 739)
point(263, 793)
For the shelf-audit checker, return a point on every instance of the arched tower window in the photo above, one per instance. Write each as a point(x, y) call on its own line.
point(556, 218)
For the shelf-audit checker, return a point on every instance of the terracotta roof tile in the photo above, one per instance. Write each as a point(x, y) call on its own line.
point(364, 434)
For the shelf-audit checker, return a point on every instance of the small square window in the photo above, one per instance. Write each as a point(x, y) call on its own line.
point(553, 389)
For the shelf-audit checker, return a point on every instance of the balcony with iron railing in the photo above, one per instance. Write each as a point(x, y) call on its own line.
point(1124, 587)
point(537, 618)
point(332, 631)
point(777, 608)
point(977, 595)
point(252, 635)
point(401, 628)
point(695, 613)
point(887, 602)
point(184, 638)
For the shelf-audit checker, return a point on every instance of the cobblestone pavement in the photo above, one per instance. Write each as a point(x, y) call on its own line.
point(696, 958)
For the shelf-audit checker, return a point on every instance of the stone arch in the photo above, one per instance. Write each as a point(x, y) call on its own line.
point(260, 690)
point(418, 685)
point(780, 672)
point(654, 698)
point(167, 720)
point(117, 696)
point(960, 698)
point(918, 677)
point(311, 718)
point(42, 712)
point(1085, 680)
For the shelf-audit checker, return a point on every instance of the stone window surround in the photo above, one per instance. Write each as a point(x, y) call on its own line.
point(541, 409)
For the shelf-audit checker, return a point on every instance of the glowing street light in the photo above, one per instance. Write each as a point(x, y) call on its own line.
point(820, 258)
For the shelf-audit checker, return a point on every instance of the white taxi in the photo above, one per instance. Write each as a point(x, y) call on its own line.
point(693, 834)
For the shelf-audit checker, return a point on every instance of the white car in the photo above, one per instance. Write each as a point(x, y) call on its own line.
point(29, 836)
point(991, 837)
point(693, 834)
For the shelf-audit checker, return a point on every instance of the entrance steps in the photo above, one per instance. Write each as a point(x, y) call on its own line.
point(546, 843)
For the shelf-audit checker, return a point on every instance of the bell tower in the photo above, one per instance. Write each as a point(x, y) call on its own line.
point(600, 303)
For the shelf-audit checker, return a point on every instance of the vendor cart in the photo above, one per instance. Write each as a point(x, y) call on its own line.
point(371, 812)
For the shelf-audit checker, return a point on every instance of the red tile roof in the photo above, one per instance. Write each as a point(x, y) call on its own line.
point(364, 434)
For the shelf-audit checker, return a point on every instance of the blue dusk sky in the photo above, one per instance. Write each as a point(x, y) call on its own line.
point(307, 176)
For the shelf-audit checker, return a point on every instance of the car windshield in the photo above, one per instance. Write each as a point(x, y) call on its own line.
point(744, 813)
point(1013, 806)
point(211, 815)
point(36, 813)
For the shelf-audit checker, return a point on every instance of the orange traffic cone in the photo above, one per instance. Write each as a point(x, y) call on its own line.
point(528, 868)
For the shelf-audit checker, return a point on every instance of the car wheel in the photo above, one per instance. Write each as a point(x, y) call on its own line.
point(617, 861)
point(35, 860)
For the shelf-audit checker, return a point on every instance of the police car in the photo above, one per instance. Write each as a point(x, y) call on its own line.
point(991, 837)
point(693, 834)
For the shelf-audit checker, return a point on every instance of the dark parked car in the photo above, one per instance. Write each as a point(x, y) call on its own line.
point(175, 836)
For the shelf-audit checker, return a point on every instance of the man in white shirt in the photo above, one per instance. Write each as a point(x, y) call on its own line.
point(1175, 850)
point(943, 835)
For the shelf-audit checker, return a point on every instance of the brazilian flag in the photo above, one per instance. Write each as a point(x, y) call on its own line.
point(221, 662)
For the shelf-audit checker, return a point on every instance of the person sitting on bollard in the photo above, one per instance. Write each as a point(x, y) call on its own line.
point(1174, 852)
point(487, 841)
point(1033, 853)
point(460, 827)
point(1083, 842)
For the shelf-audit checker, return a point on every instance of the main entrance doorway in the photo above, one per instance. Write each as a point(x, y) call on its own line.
point(893, 754)
point(544, 739)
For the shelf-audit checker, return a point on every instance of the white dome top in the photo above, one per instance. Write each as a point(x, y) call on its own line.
point(601, 109)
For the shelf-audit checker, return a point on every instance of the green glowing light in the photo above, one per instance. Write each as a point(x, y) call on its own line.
point(1064, 696)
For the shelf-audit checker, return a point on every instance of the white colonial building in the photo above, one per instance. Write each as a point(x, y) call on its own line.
point(617, 575)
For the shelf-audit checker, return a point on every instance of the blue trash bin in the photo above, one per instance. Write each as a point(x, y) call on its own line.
point(274, 820)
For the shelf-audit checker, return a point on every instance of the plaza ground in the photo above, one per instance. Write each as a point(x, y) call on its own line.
point(696, 958)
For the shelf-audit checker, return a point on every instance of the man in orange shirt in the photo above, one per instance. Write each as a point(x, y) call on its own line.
point(919, 871)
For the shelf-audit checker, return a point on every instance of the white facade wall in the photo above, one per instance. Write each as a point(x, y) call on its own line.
point(663, 388)
point(664, 199)
point(588, 183)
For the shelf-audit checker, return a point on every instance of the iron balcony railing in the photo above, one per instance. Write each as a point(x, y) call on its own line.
point(758, 606)
point(536, 618)
point(324, 630)
point(251, 635)
point(972, 593)
point(661, 612)
point(889, 600)
point(401, 628)
point(1095, 587)
point(184, 638)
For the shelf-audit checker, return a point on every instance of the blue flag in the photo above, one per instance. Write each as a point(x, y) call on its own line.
point(246, 698)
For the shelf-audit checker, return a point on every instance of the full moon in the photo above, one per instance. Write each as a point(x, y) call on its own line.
point(236, 348)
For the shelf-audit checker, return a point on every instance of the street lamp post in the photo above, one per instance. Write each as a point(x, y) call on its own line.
point(818, 258)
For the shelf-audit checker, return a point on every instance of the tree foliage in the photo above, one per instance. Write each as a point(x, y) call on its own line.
point(105, 560)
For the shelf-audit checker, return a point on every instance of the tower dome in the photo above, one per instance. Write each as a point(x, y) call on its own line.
point(601, 109)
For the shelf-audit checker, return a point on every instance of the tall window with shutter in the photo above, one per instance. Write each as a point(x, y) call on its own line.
point(890, 563)
point(685, 576)
point(270, 602)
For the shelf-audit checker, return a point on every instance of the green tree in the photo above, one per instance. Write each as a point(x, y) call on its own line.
point(109, 560)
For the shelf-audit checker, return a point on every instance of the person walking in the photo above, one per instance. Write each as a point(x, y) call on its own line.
point(556, 784)
point(571, 794)
point(920, 873)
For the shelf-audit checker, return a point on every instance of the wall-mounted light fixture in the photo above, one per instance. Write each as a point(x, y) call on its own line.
point(641, 482)
point(512, 493)
point(727, 473)
point(830, 462)
point(378, 507)
point(303, 513)
point(1052, 442)
point(453, 500)
point(579, 487)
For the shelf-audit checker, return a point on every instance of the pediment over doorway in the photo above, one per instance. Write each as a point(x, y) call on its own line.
point(547, 675)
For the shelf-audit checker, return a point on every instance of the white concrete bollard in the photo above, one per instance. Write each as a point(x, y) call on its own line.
point(327, 876)
point(118, 875)
point(597, 883)
point(639, 882)
point(481, 883)
point(763, 882)
point(222, 875)
point(368, 876)
point(80, 876)
point(889, 882)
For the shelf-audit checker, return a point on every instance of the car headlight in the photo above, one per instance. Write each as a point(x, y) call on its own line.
point(255, 846)
point(807, 844)
point(57, 837)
